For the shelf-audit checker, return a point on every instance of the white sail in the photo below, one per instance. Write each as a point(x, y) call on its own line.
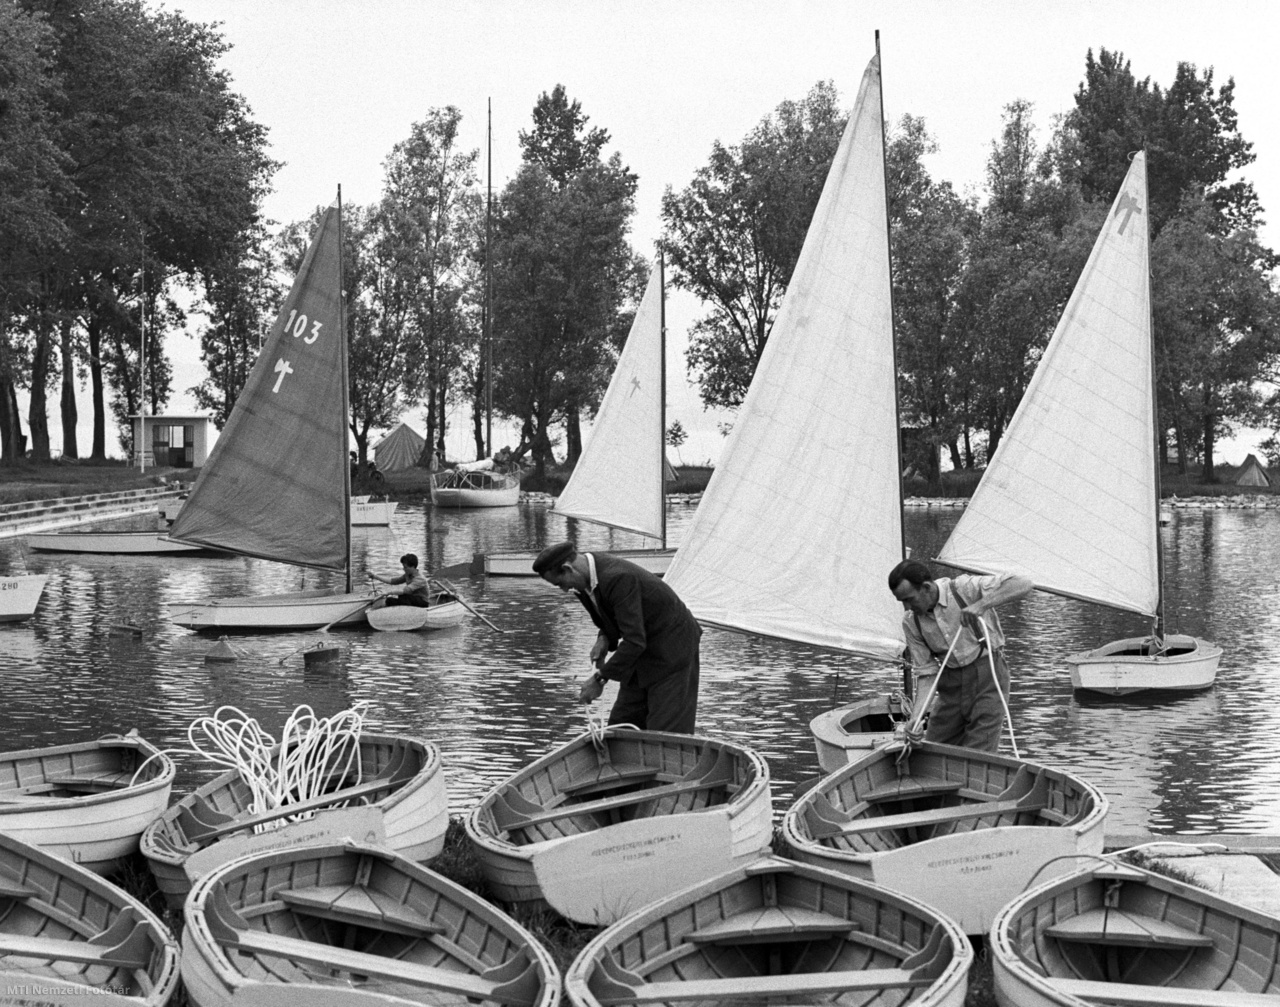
point(1069, 499)
point(802, 520)
point(618, 478)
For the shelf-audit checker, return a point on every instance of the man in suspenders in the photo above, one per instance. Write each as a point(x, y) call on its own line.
point(968, 709)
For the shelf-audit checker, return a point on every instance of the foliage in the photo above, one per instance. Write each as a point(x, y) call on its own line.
point(733, 235)
point(676, 436)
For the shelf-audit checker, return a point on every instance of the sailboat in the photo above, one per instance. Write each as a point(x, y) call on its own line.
point(478, 483)
point(277, 484)
point(20, 594)
point(1071, 498)
point(620, 480)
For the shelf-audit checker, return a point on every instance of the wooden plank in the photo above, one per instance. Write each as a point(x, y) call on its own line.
point(771, 923)
point(1162, 996)
point(359, 963)
point(352, 903)
point(763, 987)
point(917, 819)
point(611, 803)
point(285, 810)
point(1115, 926)
point(908, 788)
point(610, 779)
point(10, 890)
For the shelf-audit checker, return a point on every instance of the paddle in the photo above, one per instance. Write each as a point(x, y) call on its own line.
point(449, 588)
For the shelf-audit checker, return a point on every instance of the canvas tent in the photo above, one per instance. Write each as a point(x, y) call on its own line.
point(399, 450)
point(1252, 473)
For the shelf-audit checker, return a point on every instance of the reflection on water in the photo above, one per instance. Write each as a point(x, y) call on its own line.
point(493, 701)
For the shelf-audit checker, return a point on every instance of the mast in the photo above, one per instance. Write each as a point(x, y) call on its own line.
point(142, 355)
point(487, 311)
point(1158, 629)
point(346, 395)
point(662, 410)
point(888, 251)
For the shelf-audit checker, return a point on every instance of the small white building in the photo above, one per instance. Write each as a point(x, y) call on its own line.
point(178, 442)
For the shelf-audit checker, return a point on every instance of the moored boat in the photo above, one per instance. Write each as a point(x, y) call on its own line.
point(849, 732)
point(277, 612)
point(404, 807)
point(1110, 933)
point(1175, 662)
point(19, 596)
point(86, 802)
point(376, 513)
point(445, 610)
point(960, 829)
point(69, 937)
point(115, 543)
point(597, 830)
point(460, 488)
point(339, 925)
point(776, 928)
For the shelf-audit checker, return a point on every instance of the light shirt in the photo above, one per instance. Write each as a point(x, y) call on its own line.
point(939, 625)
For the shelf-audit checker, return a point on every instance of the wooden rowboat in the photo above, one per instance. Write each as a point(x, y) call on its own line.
point(775, 928)
point(87, 802)
point(1114, 934)
point(1177, 663)
point(68, 937)
point(399, 801)
point(596, 832)
point(849, 732)
point(350, 924)
point(962, 830)
point(445, 610)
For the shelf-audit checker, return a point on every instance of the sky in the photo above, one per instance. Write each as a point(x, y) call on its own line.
point(339, 82)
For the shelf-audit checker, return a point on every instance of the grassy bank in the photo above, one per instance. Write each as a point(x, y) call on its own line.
point(28, 480)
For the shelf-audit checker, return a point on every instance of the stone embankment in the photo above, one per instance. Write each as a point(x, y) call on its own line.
point(62, 512)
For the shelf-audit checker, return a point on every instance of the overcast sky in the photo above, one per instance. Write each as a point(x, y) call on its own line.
point(339, 82)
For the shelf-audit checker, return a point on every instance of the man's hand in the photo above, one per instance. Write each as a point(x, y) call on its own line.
point(971, 616)
point(591, 689)
point(599, 650)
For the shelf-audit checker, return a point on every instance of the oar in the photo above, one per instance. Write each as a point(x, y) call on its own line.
point(450, 589)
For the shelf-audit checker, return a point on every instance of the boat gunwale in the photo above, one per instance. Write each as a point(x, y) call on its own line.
point(162, 780)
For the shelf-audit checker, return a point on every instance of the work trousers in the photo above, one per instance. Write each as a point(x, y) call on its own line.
point(967, 709)
point(670, 704)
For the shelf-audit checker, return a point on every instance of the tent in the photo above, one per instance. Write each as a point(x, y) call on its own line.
point(668, 472)
point(1253, 474)
point(399, 450)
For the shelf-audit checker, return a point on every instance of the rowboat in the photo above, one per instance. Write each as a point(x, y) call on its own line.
point(406, 810)
point(19, 596)
point(1115, 934)
point(87, 802)
point(960, 829)
point(597, 831)
point(445, 610)
point(520, 563)
point(69, 937)
point(848, 732)
point(1071, 497)
point(340, 925)
point(775, 928)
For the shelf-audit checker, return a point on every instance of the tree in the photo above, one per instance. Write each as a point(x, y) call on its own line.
point(676, 436)
point(733, 235)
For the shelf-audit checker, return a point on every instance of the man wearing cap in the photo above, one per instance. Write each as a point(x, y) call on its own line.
point(652, 635)
point(970, 705)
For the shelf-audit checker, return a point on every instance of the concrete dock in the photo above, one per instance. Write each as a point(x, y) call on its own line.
point(1240, 868)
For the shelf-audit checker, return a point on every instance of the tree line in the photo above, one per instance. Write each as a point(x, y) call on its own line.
point(141, 175)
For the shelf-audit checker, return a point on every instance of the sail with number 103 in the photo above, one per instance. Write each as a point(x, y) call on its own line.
point(276, 484)
point(802, 520)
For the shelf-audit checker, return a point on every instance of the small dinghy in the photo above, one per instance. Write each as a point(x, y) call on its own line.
point(399, 802)
point(88, 802)
point(1109, 933)
point(350, 924)
point(962, 830)
point(777, 929)
point(850, 732)
point(68, 937)
point(445, 610)
point(602, 826)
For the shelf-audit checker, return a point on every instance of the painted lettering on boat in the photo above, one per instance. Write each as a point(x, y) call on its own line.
point(977, 858)
point(638, 850)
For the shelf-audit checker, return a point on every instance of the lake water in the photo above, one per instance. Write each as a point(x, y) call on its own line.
point(1208, 762)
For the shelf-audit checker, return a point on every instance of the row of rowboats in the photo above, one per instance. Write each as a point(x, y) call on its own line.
point(664, 841)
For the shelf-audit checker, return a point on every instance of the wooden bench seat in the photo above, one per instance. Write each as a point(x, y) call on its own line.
point(124, 944)
point(10, 890)
point(515, 819)
point(764, 987)
point(907, 789)
point(1120, 928)
point(771, 924)
point(202, 833)
point(1162, 996)
point(919, 819)
point(608, 778)
point(354, 904)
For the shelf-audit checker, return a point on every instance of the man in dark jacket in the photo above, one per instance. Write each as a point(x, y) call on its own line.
point(652, 635)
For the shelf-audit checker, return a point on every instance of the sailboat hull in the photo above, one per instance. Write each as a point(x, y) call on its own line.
point(849, 732)
point(366, 513)
point(19, 596)
point(520, 564)
point(475, 489)
point(301, 610)
point(114, 543)
point(1128, 666)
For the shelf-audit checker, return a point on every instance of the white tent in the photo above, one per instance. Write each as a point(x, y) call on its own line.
point(399, 450)
point(1253, 474)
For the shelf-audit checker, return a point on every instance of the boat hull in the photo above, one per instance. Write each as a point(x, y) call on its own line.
point(340, 925)
point(848, 732)
point(596, 866)
point(367, 513)
point(113, 543)
point(777, 926)
point(1127, 666)
point(411, 819)
point(520, 564)
point(81, 802)
point(1117, 934)
point(301, 610)
point(933, 846)
point(19, 596)
point(461, 497)
point(440, 614)
point(69, 937)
